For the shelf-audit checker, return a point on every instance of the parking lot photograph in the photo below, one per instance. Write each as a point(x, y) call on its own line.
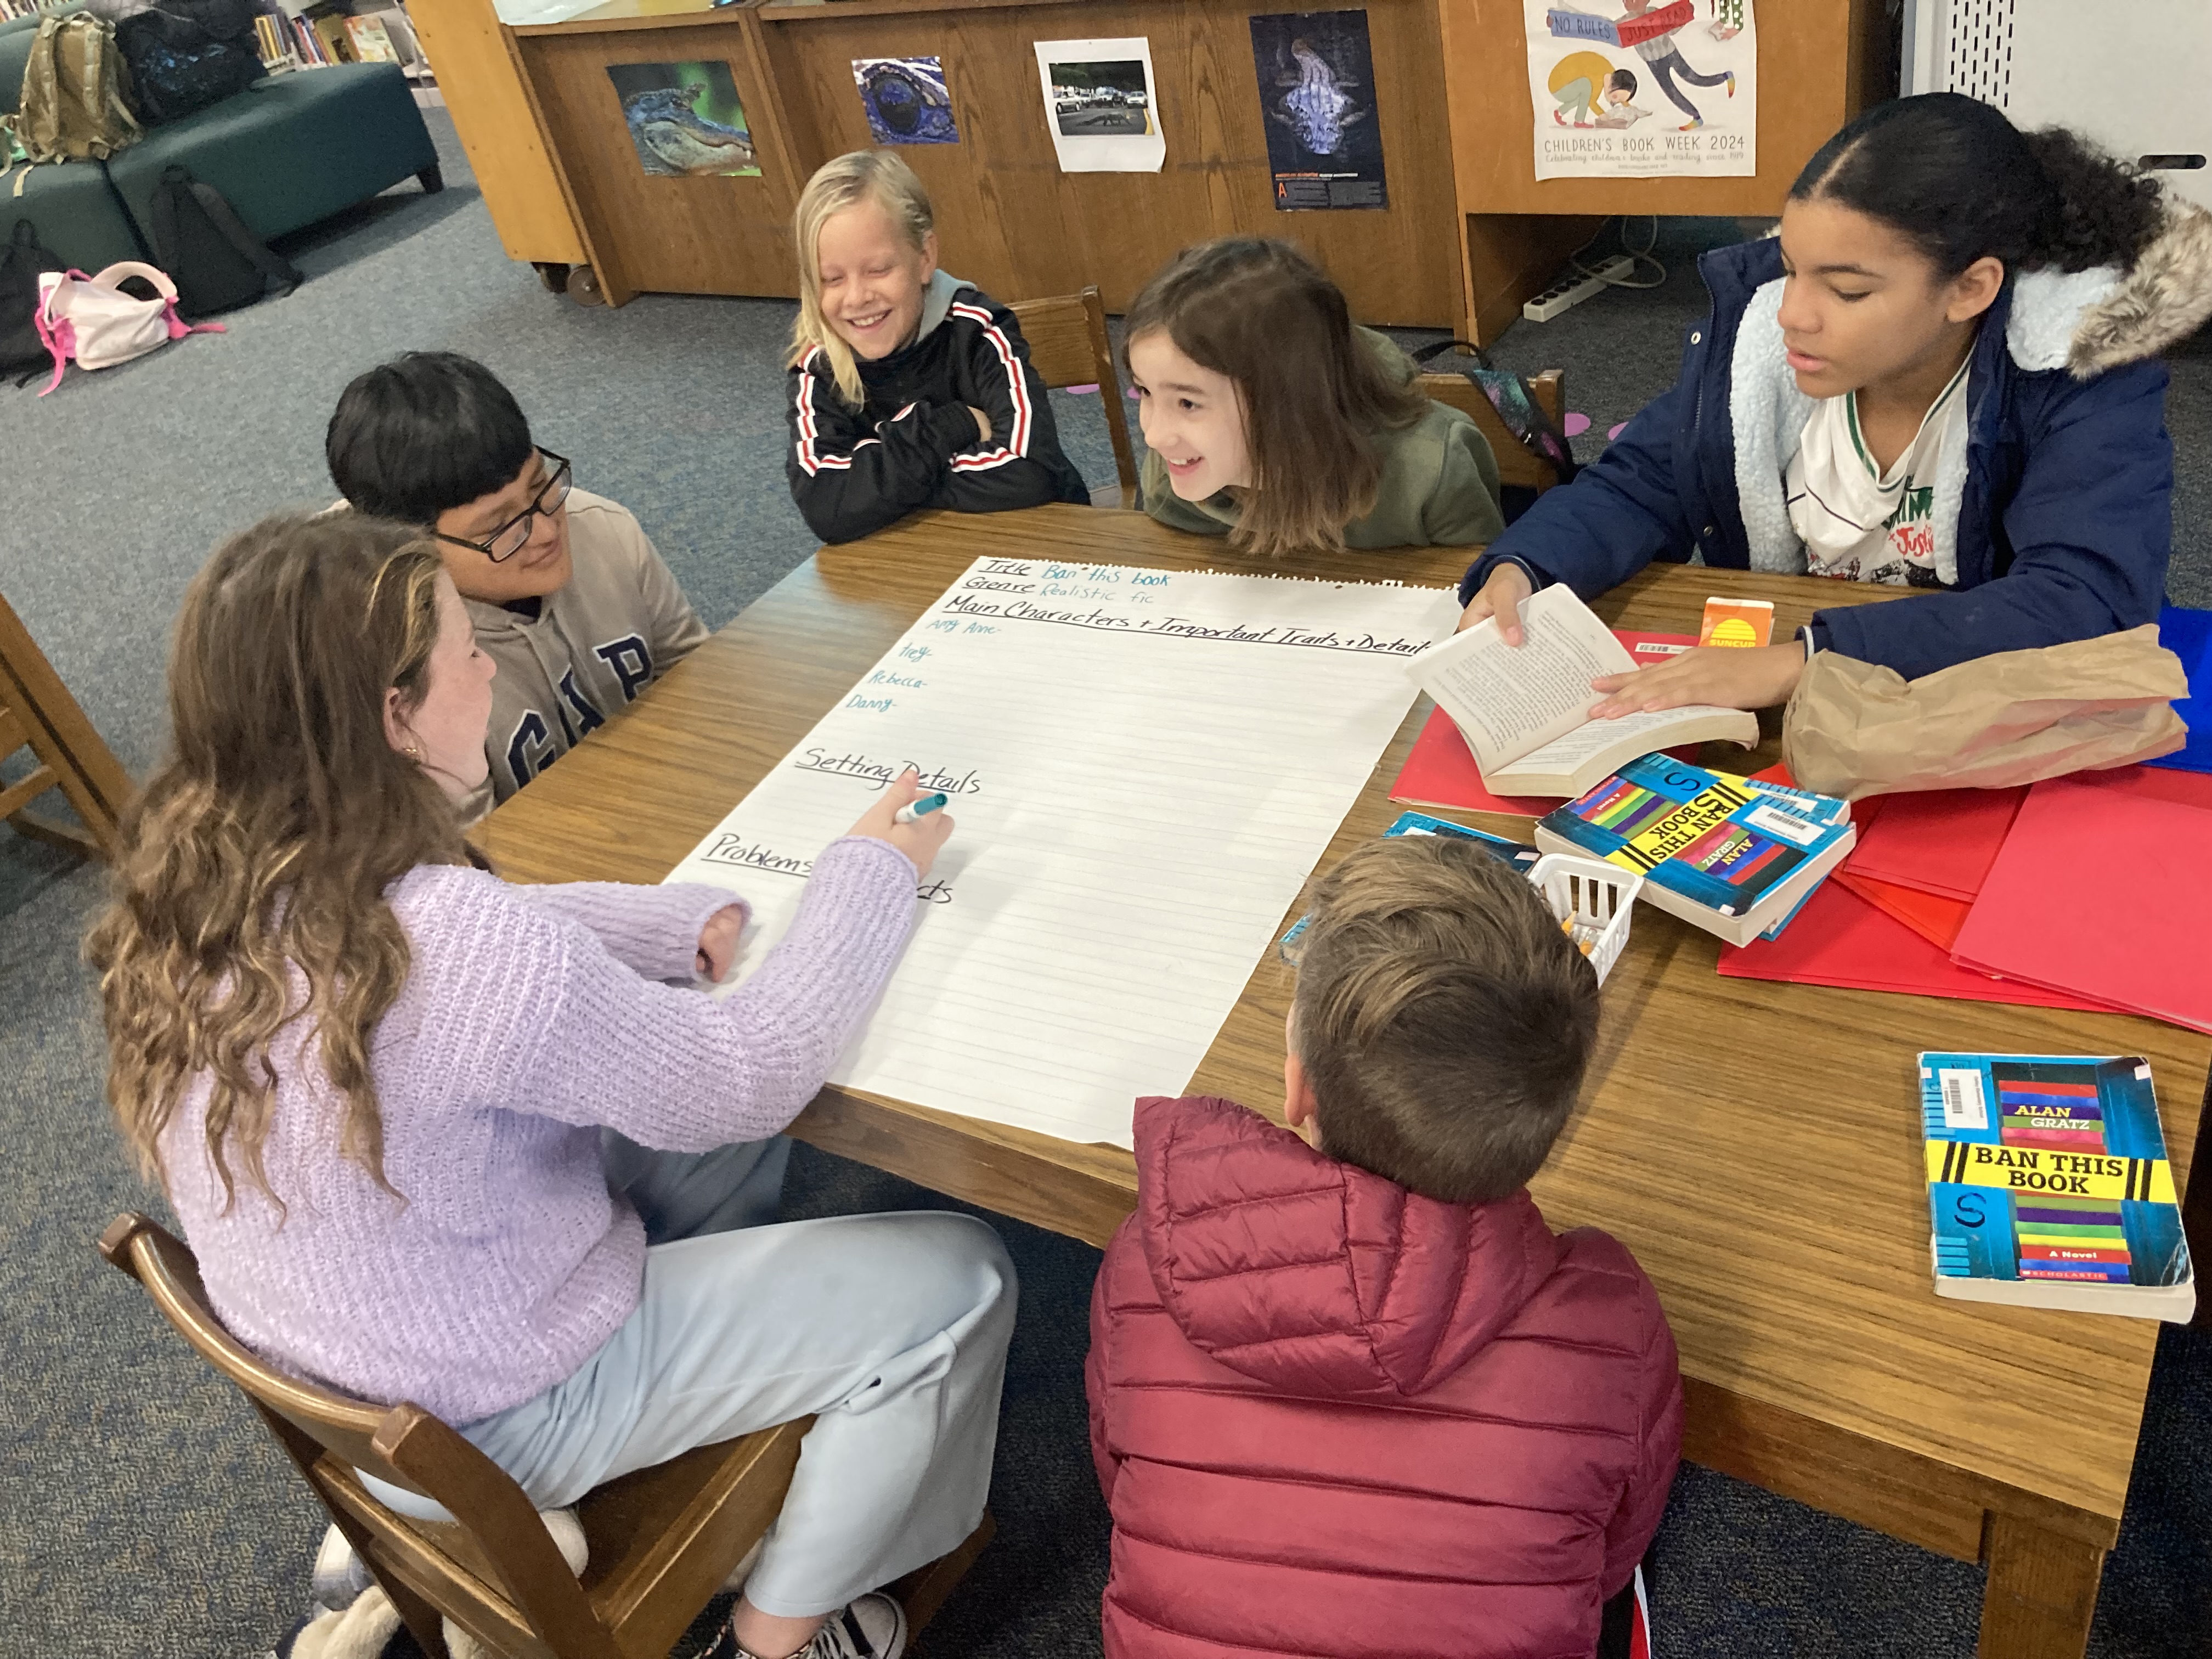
point(1101, 99)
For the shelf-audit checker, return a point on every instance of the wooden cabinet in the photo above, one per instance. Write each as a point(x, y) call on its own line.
point(1008, 219)
point(1011, 221)
point(472, 55)
point(1470, 232)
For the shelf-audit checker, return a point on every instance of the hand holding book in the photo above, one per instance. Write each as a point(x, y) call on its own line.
point(1524, 709)
point(1756, 677)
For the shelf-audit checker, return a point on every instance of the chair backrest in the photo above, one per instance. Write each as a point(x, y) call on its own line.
point(36, 711)
point(1516, 463)
point(1069, 346)
point(497, 1573)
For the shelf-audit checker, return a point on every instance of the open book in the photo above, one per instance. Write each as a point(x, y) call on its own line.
point(1524, 710)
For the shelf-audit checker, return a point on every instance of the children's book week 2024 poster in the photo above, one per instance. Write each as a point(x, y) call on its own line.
point(1631, 89)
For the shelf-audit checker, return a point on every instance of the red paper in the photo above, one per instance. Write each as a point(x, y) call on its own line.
point(1941, 842)
point(1936, 919)
point(1840, 939)
point(2104, 888)
point(1441, 772)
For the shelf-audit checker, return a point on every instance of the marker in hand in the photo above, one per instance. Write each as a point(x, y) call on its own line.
point(919, 807)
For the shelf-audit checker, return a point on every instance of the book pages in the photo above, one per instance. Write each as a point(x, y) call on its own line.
point(1145, 768)
point(1508, 700)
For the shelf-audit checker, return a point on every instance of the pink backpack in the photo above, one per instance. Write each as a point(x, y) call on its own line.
point(91, 320)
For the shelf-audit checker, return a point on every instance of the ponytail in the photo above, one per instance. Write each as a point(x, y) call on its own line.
point(1958, 179)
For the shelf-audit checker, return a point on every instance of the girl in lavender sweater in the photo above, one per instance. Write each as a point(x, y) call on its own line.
point(440, 1139)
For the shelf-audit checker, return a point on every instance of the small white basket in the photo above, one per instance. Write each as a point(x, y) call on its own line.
point(1593, 899)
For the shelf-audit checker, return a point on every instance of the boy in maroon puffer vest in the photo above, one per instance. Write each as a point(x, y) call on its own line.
point(1349, 1397)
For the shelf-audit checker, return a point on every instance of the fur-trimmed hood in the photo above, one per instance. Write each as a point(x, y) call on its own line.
point(2092, 321)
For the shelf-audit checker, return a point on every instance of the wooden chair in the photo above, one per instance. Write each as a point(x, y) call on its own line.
point(37, 711)
point(662, 1540)
point(1516, 463)
point(1069, 346)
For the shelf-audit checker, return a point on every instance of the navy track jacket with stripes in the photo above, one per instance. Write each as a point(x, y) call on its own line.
point(913, 443)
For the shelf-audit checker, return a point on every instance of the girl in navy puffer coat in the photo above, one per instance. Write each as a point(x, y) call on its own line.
point(1941, 373)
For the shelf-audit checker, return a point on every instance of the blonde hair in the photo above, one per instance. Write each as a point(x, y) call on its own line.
point(864, 175)
point(262, 847)
point(1442, 1018)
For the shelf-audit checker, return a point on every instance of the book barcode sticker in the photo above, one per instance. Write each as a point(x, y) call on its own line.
point(1785, 826)
point(1658, 648)
point(1965, 1107)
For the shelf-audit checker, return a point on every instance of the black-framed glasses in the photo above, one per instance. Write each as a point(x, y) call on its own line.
point(508, 539)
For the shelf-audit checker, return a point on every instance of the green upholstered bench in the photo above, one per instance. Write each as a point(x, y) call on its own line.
point(289, 151)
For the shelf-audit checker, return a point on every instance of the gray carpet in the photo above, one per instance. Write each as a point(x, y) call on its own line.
point(145, 1513)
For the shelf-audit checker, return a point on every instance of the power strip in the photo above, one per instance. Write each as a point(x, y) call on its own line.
point(1571, 290)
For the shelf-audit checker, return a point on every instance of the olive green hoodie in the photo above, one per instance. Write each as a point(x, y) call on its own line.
point(1438, 489)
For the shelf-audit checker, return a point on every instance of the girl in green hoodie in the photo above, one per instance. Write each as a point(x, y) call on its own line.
point(1271, 419)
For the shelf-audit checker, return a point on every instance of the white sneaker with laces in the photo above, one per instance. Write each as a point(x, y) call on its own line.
point(871, 1626)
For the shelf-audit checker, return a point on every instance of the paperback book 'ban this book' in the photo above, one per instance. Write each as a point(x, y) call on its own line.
point(1725, 853)
point(2048, 1185)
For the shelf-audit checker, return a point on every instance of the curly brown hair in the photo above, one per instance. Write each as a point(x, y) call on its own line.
point(1957, 178)
point(249, 888)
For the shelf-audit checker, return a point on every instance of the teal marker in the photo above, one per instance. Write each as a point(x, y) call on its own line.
point(920, 807)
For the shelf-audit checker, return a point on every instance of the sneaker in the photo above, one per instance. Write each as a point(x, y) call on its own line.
point(871, 1626)
point(1731, 76)
point(1692, 125)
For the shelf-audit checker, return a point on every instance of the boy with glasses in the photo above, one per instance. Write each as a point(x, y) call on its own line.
point(567, 593)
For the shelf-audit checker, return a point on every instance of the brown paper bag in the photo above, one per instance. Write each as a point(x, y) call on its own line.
point(1853, 730)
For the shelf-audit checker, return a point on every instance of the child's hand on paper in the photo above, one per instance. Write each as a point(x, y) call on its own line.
point(718, 942)
point(1731, 676)
point(1501, 597)
point(920, 840)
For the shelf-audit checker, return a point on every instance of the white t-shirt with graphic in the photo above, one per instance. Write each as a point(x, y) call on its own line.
point(1859, 523)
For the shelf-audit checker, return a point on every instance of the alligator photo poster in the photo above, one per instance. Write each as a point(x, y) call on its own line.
point(1643, 88)
point(906, 100)
point(1101, 105)
point(1317, 103)
point(685, 120)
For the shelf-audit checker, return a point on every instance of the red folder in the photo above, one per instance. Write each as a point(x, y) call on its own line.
point(2103, 888)
point(1935, 918)
point(1840, 939)
point(1440, 772)
point(1941, 842)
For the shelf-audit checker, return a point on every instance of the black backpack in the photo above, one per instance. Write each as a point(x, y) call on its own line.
point(216, 263)
point(22, 258)
point(185, 55)
point(1517, 405)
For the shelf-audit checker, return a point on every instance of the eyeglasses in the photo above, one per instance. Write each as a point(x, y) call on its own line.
point(508, 539)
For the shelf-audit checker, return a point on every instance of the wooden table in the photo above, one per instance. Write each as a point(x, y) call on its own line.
point(1756, 1144)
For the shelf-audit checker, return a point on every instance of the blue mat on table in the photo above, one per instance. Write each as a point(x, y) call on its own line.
point(2187, 635)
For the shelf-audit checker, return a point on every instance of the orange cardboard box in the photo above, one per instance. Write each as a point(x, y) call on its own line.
point(1737, 622)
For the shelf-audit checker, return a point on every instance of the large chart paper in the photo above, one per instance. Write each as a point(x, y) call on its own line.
point(1146, 766)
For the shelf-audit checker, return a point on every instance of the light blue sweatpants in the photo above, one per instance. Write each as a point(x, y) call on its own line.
point(892, 1329)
